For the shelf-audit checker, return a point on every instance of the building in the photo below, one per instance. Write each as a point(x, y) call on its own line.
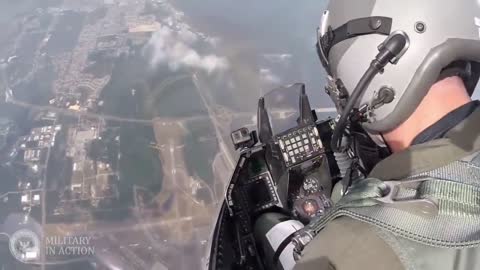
point(91, 180)
point(25, 199)
point(41, 137)
point(35, 155)
point(36, 199)
point(36, 144)
point(82, 166)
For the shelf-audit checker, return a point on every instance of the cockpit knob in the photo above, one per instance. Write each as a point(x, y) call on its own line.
point(310, 207)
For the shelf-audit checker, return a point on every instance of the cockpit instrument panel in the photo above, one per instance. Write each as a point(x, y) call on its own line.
point(300, 145)
point(261, 192)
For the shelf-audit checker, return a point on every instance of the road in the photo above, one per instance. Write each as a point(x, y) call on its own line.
point(178, 184)
point(3, 195)
point(204, 95)
point(44, 203)
point(213, 116)
point(74, 113)
point(126, 227)
point(132, 258)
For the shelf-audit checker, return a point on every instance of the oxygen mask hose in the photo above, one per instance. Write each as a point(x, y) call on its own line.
point(389, 52)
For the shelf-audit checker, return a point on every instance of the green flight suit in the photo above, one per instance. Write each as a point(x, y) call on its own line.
point(347, 244)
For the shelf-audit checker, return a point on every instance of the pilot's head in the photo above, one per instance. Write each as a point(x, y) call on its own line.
point(442, 39)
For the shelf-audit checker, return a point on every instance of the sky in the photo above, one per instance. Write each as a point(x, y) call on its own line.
point(252, 46)
point(267, 44)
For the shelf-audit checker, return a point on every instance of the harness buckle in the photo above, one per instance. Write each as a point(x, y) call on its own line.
point(427, 207)
point(299, 241)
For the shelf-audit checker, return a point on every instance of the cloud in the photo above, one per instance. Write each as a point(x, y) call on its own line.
point(186, 35)
point(174, 45)
point(214, 41)
point(266, 75)
point(278, 58)
point(168, 21)
point(175, 48)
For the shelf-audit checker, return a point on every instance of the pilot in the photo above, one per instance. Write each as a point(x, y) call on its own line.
point(423, 211)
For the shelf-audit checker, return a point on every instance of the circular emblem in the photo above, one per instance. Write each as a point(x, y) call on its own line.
point(25, 245)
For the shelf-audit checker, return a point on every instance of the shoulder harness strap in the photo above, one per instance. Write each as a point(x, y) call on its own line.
point(429, 209)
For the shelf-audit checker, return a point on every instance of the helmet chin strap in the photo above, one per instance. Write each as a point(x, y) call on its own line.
point(468, 71)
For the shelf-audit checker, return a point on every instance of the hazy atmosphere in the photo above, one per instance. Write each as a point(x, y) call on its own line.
point(115, 120)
